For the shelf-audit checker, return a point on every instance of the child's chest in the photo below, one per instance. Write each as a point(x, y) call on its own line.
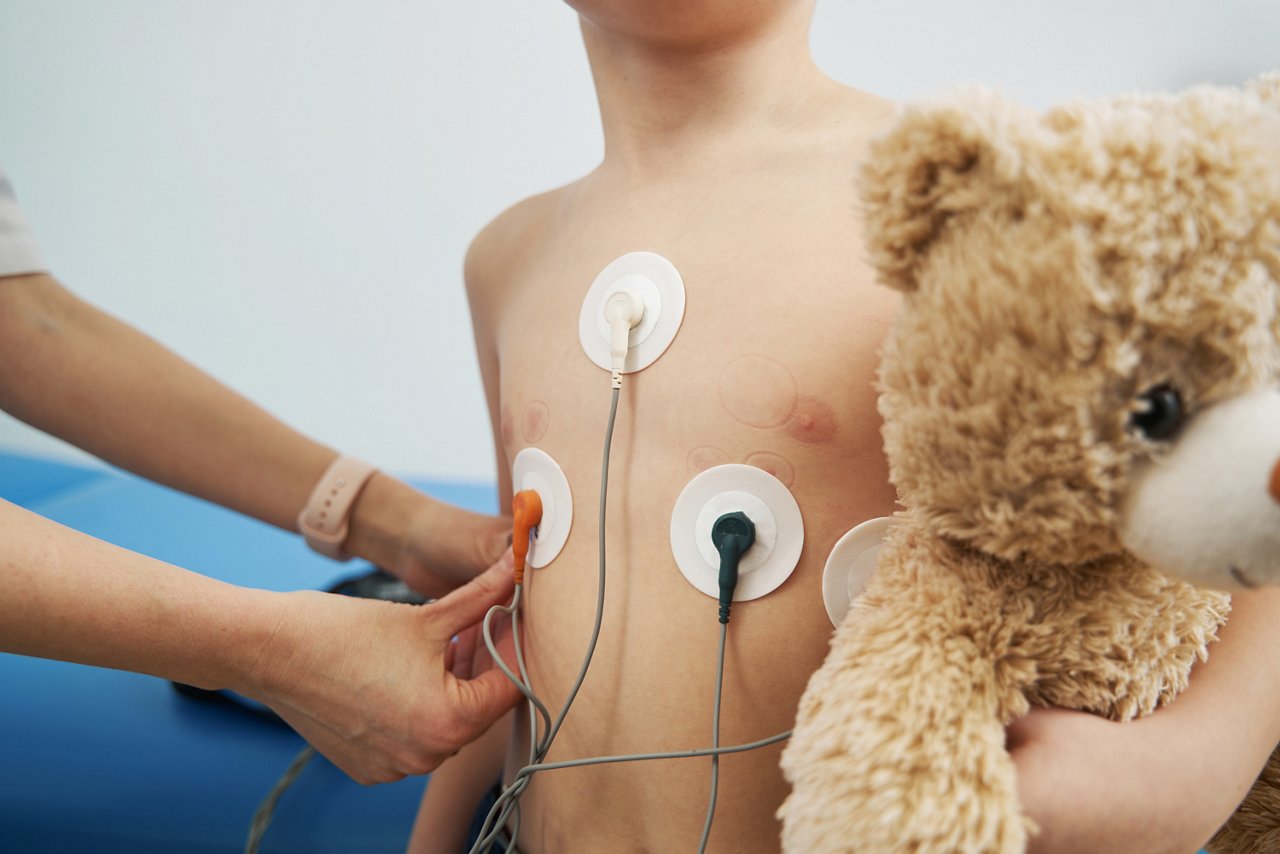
point(781, 324)
point(781, 387)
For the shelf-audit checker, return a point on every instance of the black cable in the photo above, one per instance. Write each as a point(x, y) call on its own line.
point(732, 535)
point(266, 810)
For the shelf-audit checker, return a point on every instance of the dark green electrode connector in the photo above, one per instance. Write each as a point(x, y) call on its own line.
point(732, 534)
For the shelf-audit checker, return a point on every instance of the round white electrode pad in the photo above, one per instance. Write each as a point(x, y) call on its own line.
point(850, 566)
point(535, 469)
point(655, 282)
point(765, 501)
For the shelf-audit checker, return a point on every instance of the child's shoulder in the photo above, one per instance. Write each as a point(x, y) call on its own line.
point(509, 238)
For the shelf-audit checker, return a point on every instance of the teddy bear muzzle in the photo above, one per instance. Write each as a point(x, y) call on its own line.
point(1206, 509)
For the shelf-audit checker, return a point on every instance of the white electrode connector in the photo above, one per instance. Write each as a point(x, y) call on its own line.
point(637, 277)
point(623, 310)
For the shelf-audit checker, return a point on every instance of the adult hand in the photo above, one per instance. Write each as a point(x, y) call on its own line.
point(433, 546)
point(445, 546)
point(368, 683)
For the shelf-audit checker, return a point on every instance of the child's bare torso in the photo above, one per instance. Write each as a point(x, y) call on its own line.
point(774, 367)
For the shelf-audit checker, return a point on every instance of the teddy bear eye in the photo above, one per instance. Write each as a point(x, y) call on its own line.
point(1158, 414)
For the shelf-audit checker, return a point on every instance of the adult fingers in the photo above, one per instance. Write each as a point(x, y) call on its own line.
point(479, 702)
point(495, 540)
point(467, 605)
point(464, 647)
point(451, 657)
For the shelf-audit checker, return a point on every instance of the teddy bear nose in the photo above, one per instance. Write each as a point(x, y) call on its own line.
point(1273, 486)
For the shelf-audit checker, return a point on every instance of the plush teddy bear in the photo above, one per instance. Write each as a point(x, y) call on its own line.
point(1081, 397)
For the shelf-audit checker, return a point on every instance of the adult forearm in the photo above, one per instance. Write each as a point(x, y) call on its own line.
point(88, 601)
point(85, 377)
point(80, 374)
point(366, 682)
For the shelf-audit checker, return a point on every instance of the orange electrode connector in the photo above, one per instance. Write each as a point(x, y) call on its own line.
point(526, 513)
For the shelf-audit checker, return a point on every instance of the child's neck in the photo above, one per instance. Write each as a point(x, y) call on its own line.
point(666, 107)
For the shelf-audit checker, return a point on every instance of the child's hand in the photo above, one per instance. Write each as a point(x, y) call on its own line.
point(367, 682)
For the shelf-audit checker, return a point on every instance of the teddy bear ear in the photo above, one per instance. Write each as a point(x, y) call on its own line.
point(1267, 88)
point(939, 161)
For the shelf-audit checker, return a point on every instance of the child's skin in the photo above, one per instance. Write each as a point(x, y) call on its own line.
point(729, 153)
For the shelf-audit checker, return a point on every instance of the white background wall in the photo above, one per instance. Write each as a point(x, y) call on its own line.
point(282, 190)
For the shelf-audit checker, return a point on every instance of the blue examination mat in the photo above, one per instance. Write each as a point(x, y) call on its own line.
point(96, 760)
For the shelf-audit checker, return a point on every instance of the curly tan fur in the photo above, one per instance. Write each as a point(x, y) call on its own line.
point(1254, 828)
point(1054, 267)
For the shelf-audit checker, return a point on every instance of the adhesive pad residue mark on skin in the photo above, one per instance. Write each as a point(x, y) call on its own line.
point(507, 426)
point(813, 421)
point(758, 391)
point(774, 464)
point(534, 424)
point(706, 457)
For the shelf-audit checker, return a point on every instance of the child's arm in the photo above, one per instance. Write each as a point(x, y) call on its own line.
point(454, 791)
point(1168, 781)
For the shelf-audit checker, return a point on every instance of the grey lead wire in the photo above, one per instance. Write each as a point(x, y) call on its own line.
point(715, 742)
point(694, 753)
point(498, 814)
point(266, 809)
point(502, 807)
point(517, 789)
point(487, 631)
point(526, 687)
point(262, 817)
point(523, 683)
point(644, 757)
point(595, 629)
point(524, 674)
point(533, 725)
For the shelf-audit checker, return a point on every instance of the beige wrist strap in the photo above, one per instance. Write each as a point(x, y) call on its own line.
point(325, 520)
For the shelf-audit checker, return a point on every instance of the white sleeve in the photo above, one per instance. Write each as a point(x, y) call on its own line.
point(19, 252)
